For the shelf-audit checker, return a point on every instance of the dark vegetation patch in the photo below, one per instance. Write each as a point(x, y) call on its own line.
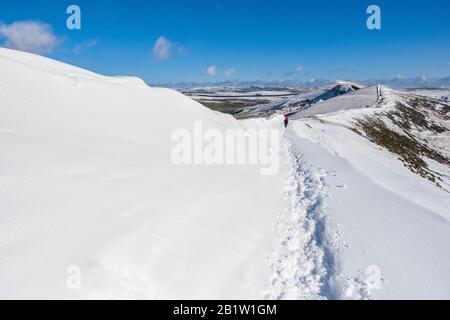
point(439, 107)
point(231, 107)
point(405, 117)
point(409, 149)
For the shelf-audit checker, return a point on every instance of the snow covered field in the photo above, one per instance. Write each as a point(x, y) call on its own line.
point(433, 93)
point(87, 183)
point(87, 180)
point(378, 217)
point(381, 221)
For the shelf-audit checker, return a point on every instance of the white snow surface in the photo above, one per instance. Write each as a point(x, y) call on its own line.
point(87, 181)
point(364, 97)
point(379, 216)
point(382, 221)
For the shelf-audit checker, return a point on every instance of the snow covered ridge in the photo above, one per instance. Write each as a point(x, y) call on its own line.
point(298, 101)
point(417, 130)
point(384, 201)
point(93, 206)
point(413, 128)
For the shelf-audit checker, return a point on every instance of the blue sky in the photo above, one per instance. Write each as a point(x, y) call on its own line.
point(246, 40)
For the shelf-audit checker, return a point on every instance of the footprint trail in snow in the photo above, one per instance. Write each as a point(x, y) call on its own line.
point(302, 265)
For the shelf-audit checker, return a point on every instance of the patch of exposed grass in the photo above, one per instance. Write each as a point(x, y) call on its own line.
point(409, 150)
point(405, 117)
point(421, 103)
point(229, 106)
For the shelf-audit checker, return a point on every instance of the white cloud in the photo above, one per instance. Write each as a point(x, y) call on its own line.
point(229, 72)
point(162, 49)
point(31, 36)
point(211, 71)
point(295, 71)
point(85, 45)
point(423, 77)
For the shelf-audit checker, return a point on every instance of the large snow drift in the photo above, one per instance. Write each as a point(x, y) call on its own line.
point(87, 181)
point(88, 185)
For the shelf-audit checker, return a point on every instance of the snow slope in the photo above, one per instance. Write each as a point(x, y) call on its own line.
point(386, 227)
point(432, 93)
point(357, 99)
point(87, 181)
point(375, 219)
point(293, 104)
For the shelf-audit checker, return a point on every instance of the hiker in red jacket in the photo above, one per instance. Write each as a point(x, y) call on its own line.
point(286, 121)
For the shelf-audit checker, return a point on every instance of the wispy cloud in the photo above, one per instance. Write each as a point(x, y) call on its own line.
point(229, 72)
point(163, 48)
point(266, 74)
point(295, 71)
point(31, 36)
point(79, 48)
point(212, 70)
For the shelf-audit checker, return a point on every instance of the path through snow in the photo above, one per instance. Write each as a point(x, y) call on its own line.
point(302, 264)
